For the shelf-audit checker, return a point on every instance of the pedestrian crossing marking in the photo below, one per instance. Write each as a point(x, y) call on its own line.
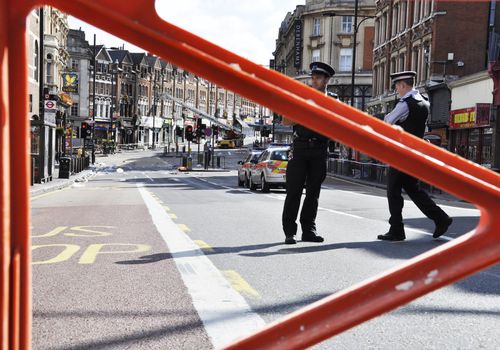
point(240, 285)
point(204, 246)
point(183, 228)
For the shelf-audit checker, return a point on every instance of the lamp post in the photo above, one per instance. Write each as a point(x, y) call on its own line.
point(114, 95)
point(154, 107)
point(355, 38)
point(94, 53)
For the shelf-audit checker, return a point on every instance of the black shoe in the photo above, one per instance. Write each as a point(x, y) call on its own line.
point(442, 226)
point(311, 237)
point(392, 236)
point(290, 240)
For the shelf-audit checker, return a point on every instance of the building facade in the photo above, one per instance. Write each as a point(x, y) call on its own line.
point(422, 36)
point(324, 30)
point(76, 81)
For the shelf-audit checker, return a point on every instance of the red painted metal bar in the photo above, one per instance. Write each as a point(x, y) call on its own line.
point(5, 238)
point(19, 169)
point(138, 23)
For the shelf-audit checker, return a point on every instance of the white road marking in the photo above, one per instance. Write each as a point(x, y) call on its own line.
point(407, 201)
point(149, 177)
point(224, 312)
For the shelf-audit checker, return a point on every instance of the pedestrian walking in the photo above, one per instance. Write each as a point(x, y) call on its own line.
point(411, 114)
point(306, 168)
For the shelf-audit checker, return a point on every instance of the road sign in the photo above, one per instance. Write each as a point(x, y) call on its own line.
point(50, 112)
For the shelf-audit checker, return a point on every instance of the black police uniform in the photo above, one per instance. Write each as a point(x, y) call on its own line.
point(306, 168)
point(418, 111)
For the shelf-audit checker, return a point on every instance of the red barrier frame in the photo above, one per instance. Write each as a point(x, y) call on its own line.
point(138, 23)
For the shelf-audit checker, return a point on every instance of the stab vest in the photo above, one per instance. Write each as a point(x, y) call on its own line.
point(305, 133)
point(417, 116)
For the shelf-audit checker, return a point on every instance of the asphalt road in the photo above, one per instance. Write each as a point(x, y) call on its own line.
point(145, 257)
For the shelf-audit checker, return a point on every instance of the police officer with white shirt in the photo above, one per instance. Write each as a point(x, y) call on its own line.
point(411, 114)
point(306, 168)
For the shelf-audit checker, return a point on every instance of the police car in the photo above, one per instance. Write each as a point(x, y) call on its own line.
point(245, 165)
point(270, 170)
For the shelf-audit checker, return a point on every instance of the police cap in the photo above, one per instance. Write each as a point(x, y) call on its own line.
point(409, 74)
point(320, 67)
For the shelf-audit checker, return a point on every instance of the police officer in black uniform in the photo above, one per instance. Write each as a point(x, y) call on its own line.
point(306, 167)
point(411, 114)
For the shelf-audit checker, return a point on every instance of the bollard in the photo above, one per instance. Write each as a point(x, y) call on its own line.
point(184, 161)
point(64, 167)
point(218, 161)
point(189, 162)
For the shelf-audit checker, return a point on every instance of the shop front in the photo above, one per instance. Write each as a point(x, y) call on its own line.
point(471, 135)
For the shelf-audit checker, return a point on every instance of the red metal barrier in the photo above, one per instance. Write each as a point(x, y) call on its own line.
point(138, 23)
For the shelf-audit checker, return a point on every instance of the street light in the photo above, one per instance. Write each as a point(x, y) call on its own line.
point(114, 95)
point(356, 28)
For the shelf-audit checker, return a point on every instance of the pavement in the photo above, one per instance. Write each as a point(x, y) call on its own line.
point(59, 183)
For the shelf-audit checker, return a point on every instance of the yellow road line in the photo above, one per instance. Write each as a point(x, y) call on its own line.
point(166, 208)
point(173, 216)
point(204, 246)
point(183, 228)
point(48, 193)
point(240, 285)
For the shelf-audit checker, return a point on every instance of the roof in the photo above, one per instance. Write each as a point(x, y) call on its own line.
point(151, 60)
point(137, 57)
point(117, 55)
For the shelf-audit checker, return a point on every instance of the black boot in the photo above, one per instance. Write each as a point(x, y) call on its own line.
point(395, 234)
point(442, 226)
point(312, 237)
point(290, 240)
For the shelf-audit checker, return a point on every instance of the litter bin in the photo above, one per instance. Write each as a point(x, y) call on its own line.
point(64, 167)
point(189, 163)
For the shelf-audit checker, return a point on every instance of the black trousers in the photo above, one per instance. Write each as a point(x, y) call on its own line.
point(306, 168)
point(398, 181)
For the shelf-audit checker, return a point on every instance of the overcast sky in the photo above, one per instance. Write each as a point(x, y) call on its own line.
point(248, 28)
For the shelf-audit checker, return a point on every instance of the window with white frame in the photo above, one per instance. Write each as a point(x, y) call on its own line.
point(403, 9)
point(317, 26)
point(316, 55)
point(347, 24)
point(395, 19)
point(401, 62)
point(416, 11)
point(345, 63)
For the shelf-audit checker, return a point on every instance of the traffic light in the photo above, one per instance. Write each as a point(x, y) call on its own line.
point(189, 132)
point(85, 131)
point(202, 130)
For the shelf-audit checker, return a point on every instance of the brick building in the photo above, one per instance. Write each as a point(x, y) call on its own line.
point(440, 40)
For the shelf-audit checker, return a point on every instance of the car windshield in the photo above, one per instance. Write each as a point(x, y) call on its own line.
point(279, 155)
point(254, 157)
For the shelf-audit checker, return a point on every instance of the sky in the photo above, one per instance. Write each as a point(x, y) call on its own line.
point(247, 28)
